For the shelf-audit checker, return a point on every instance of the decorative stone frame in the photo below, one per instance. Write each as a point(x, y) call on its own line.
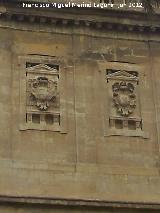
point(116, 124)
point(50, 68)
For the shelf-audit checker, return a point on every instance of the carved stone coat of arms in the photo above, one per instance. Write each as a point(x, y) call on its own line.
point(124, 98)
point(43, 91)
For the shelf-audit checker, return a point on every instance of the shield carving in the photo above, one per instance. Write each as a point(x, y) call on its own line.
point(124, 98)
point(43, 90)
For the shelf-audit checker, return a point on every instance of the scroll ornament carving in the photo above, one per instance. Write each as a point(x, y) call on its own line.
point(124, 98)
point(43, 91)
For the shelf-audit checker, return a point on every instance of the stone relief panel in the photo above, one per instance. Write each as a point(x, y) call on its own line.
point(43, 93)
point(124, 98)
point(124, 103)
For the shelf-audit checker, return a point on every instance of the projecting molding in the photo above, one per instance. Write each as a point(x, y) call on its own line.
point(122, 74)
point(98, 18)
point(78, 202)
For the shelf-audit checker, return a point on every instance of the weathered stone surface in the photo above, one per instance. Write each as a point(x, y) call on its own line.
point(82, 160)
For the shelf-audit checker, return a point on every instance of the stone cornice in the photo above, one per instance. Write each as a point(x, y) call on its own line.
point(92, 18)
point(77, 202)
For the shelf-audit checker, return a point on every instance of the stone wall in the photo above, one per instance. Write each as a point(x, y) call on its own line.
point(84, 159)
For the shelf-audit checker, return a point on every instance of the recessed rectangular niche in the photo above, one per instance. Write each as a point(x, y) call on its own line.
point(132, 125)
point(123, 103)
point(118, 124)
point(40, 93)
point(43, 93)
point(49, 119)
point(36, 118)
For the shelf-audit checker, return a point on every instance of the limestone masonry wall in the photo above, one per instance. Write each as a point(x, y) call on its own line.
point(96, 149)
